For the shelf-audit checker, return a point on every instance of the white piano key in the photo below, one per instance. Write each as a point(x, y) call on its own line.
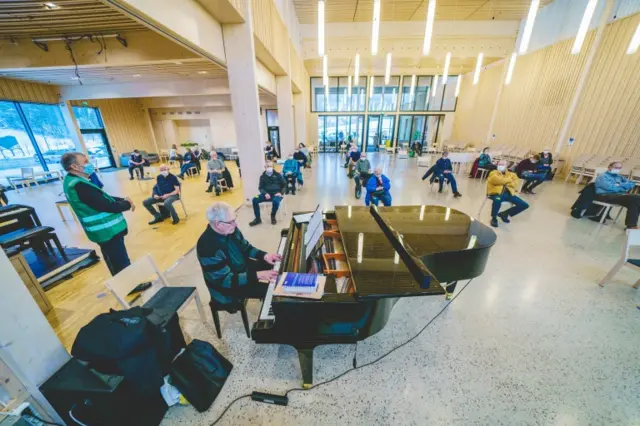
point(266, 312)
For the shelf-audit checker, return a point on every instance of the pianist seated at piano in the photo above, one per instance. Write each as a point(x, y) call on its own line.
point(233, 269)
point(378, 188)
point(271, 187)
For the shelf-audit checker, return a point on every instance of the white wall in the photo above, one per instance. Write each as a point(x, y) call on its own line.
point(24, 331)
point(211, 126)
point(223, 128)
point(265, 78)
point(198, 131)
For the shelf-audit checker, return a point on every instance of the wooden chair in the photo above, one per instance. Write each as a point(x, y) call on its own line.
point(632, 239)
point(144, 270)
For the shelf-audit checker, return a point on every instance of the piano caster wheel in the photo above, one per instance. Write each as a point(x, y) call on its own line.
point(307, 386)
point(448, 296)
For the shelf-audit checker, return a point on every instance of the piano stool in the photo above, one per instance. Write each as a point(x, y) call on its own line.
point(231, 308)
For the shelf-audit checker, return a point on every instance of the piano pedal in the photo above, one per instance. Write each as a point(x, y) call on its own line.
point(307, 386)
point(448, 296)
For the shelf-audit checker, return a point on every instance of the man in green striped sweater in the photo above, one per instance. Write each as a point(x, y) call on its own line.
point(233, 269)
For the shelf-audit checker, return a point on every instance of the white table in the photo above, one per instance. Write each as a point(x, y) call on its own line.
point(458, 158)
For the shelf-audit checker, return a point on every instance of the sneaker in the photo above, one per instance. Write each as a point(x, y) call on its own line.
point(273, 220)
point(504, 217)
point(156, 219)
point(494, 222)
point(457, 195)
point(255, 222)
point(175, 221)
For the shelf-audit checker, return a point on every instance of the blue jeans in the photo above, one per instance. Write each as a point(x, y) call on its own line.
point(519, 205)
point(385, 198)
point(115, 254)
point(448, 176)
point(166, 208)
point(186, 167)
point(261, 199)
point(532, 180)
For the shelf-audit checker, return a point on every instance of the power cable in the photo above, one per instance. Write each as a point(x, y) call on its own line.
point(339, 376)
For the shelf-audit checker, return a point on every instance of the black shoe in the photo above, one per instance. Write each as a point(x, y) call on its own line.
point(131, 178)
point(217, 193)
point(494, 222)
point(255, 222)
point(209, 190)
point(457, 195)
point(273, 220)
point(175, 221)
point(439, 191)
point(504, 217)
point(156, 219)
point(530, 192)
point(181, 177)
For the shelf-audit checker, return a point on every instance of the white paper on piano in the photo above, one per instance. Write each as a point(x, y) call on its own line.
point(314, 222)
point(321, 281)
point(302, 218)
point(313, 241)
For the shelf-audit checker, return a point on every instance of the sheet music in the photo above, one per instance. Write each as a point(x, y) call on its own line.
point(313, 241)
point(314, 222)
point(302, 218)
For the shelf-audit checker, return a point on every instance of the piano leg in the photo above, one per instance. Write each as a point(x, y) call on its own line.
point(449, 289)
point(305, 356)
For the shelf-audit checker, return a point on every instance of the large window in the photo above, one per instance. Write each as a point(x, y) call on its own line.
point(384, 97)
point(31, 136)
point(423, 97)
point(336, 98)
point(334, 130)
point(95, 138)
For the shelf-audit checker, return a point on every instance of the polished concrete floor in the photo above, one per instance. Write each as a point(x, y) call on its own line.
point(533, 341)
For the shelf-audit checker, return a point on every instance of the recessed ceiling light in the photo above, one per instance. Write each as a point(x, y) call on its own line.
point(136, 75)
point(178, 63)
point(51, 6)
point(202, 72)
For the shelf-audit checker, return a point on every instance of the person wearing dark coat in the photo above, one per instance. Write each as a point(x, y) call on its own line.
point(528, 171)
point(272, 185)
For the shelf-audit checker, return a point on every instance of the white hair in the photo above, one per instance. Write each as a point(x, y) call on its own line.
point(378, 169)
point(218, 212)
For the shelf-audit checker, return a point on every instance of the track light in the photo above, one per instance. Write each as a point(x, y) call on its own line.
point(376, 27)
point(458, 85)
point(356, 73)
point(435, 86)
point(321, 28)
point(387, 70)
point(512, 65)
point(635, 42)
point(528, 27)
point(476, 74)
point(428, 31)
point(584, 26)
point(445, 74)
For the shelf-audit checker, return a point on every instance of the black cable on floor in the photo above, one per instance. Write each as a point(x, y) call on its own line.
point(339, 376)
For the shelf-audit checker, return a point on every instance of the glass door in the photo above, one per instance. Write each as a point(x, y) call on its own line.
point(417, 130)
point(404, 130)
point(387, 129)
point(343, 129)
point(373, 133)
point(274, 137)
point(331, 134)
point(98, 148)
point(356, 129)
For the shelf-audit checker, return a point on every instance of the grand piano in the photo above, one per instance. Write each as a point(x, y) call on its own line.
point(372, 256)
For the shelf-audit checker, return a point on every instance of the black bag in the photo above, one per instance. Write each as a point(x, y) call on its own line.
point(199, 373)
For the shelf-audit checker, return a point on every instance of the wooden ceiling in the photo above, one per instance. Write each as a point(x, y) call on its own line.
point(31, 18)
point(198, 69)
point(413, 10)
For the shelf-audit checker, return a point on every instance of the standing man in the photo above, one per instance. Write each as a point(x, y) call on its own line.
point(166, 191)
point(271, 187)
point(215, 168)
point(100, 214)
point(502, 186)
point(136, 162)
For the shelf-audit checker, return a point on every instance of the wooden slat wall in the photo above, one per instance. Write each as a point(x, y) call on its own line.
point(534, 106)
point(125, 123)
point(16, 90)
point(239, 6)
point(271, 31)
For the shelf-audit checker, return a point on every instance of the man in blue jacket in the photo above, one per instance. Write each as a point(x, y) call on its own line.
point(613, 189)
point(444, 170)
point(378, 188)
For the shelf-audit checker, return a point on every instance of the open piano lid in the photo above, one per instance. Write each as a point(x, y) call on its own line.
point(408, 250)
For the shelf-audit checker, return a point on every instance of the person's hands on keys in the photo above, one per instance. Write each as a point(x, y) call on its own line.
point(272, 258)
point(266, 276)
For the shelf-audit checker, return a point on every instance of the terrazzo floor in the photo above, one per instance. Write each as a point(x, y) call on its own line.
point(533, 341)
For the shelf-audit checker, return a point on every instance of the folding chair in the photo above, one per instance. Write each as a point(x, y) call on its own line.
point(184, 209)
point(632, 239)
point(166, 297)
point(282, 210)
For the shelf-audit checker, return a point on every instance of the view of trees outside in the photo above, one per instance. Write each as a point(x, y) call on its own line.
point(88, 118)
point(16, 149)
point(50, 132)
point(91, 126)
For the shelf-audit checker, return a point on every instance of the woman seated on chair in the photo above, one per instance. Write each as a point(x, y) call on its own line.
point(292, 174)
point(173, 154)
point(188, 162)
point(485, 161)
point(378, 188)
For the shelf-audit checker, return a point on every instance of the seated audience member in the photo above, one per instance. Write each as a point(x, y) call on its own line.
point(502, 186)
point(305, 151)
point(352, 158)
point(167, 191)
point(136, 162)
point(613, 189)
point(378, 188)
point(174, 155)
point(444, 171)
point(197, 154)
point(271, 187)
point(362, 173)
point(546, 160)
point(527, 170)
point(300, 157)
point(188, 162)
point(215, 169)
point(485, 161)
point(347, 155)
point(269, 152)
point(292, 173)
point(233, 269)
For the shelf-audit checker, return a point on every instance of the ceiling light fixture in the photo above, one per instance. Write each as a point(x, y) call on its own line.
point(584, 26)
point(136, 75)
point(202, 72)
point(428, 31)
point(178, 63)
point(387, 70)
point(528, 27)
point(376, 27)
point(372, 79)
point(476, 75)
point(512, 65)
point(458, 85)
point(635, 42)
point(356, 73)
point(321, 28)
point(445, 74)
point(325, 75)
point(51, 6)
point(435, 86)
point(349, 88)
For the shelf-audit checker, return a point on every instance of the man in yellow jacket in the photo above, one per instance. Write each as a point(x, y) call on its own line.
point(502, 186)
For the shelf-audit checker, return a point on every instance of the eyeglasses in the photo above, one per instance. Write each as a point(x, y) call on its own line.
point(231, 222)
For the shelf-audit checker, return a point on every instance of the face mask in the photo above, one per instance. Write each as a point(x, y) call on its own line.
point(269, 170)
point(89, 168)
point(615, 171)
point(502, 168)
point(165, 173)
point(291, 157)
point(533, 161)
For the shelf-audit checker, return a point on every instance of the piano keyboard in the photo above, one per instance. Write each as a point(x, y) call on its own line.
point(266, 313)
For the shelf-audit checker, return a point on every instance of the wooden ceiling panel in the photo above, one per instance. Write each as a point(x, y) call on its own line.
point(30, 18)
point(414, 10)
